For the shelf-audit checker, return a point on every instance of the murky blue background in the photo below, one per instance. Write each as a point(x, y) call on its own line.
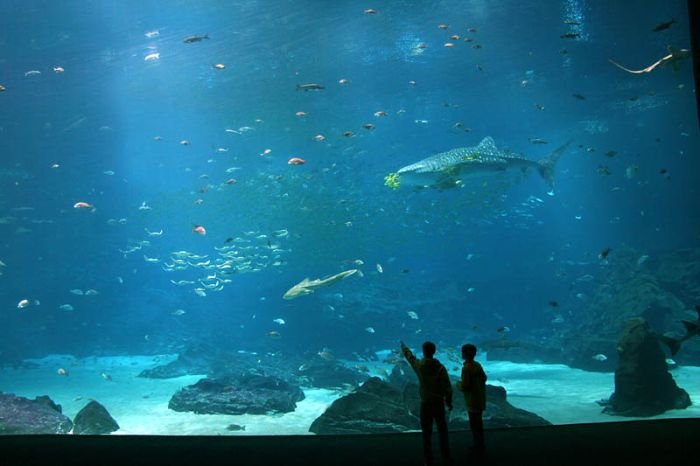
point(468, 261)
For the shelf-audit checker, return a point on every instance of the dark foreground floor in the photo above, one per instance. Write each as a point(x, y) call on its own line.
point(666, 442)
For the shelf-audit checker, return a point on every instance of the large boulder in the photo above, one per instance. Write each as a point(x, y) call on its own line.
point(246, 394)
point(94, 419)
point(643, 384)
point(374, 407)
point(19, 415)
point(378, 406)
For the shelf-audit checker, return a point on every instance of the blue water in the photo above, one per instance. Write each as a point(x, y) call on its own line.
point(481, 257)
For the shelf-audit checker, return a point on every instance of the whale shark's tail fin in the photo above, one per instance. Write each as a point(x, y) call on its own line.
point(547, 164)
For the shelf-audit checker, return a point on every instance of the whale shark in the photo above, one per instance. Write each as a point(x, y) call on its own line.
point(449, 169)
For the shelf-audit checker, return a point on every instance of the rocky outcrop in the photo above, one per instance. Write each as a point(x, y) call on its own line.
point(19, 415)
point(379, 406)
point(632, 286)
point(246, 394)
point(375, 407)
point(326, 374)
point(94, 419)
point(643, 384)
point(193, 360)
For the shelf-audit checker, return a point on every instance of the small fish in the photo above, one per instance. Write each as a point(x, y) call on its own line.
point(368, 126)
point(611, 153)
point(369, 330)
point(199, 229)
point(91, 292)
point(380, 269)
point(218, 66)
point(62, 372)
point(66, 307)
point(76, 291)
point(570, 35)
point(412, 315)
point(539, 106)
point(58, 69)
point(603, 170)
point(604, 253)
point(24, 303)
point(84, 205)
point(279, 321)
point(370, 11)
point(503, 329)
point(178, 312)
point(152, 34)
point(2, 88)
point(274, 334)
point(33, 73)
point(234, 427)
point(537, 141)
point(600, 357)
point(309, 87)
point(579, 96)
point(195, 38)
point(553, 303)
point(296, 161)
point(663, 26)
point(152, 56)
point(631, 171)
point(106, 376)
point(326, 355)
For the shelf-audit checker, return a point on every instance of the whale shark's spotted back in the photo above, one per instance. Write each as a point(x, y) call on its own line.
point(484, 153)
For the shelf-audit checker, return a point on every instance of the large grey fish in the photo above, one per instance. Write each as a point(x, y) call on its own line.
point(448, 169)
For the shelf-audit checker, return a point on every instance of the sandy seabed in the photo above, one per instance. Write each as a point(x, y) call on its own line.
point(558, 393)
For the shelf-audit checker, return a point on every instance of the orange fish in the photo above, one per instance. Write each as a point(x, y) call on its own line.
point(84, 205)
point(200, 230)
point(296, 161)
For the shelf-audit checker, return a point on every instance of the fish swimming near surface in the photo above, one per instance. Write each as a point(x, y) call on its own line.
point(309, 87)
point(307, 286)
point(692, 329)
point(195, 38)
point(448, 169)
point(663, 26)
